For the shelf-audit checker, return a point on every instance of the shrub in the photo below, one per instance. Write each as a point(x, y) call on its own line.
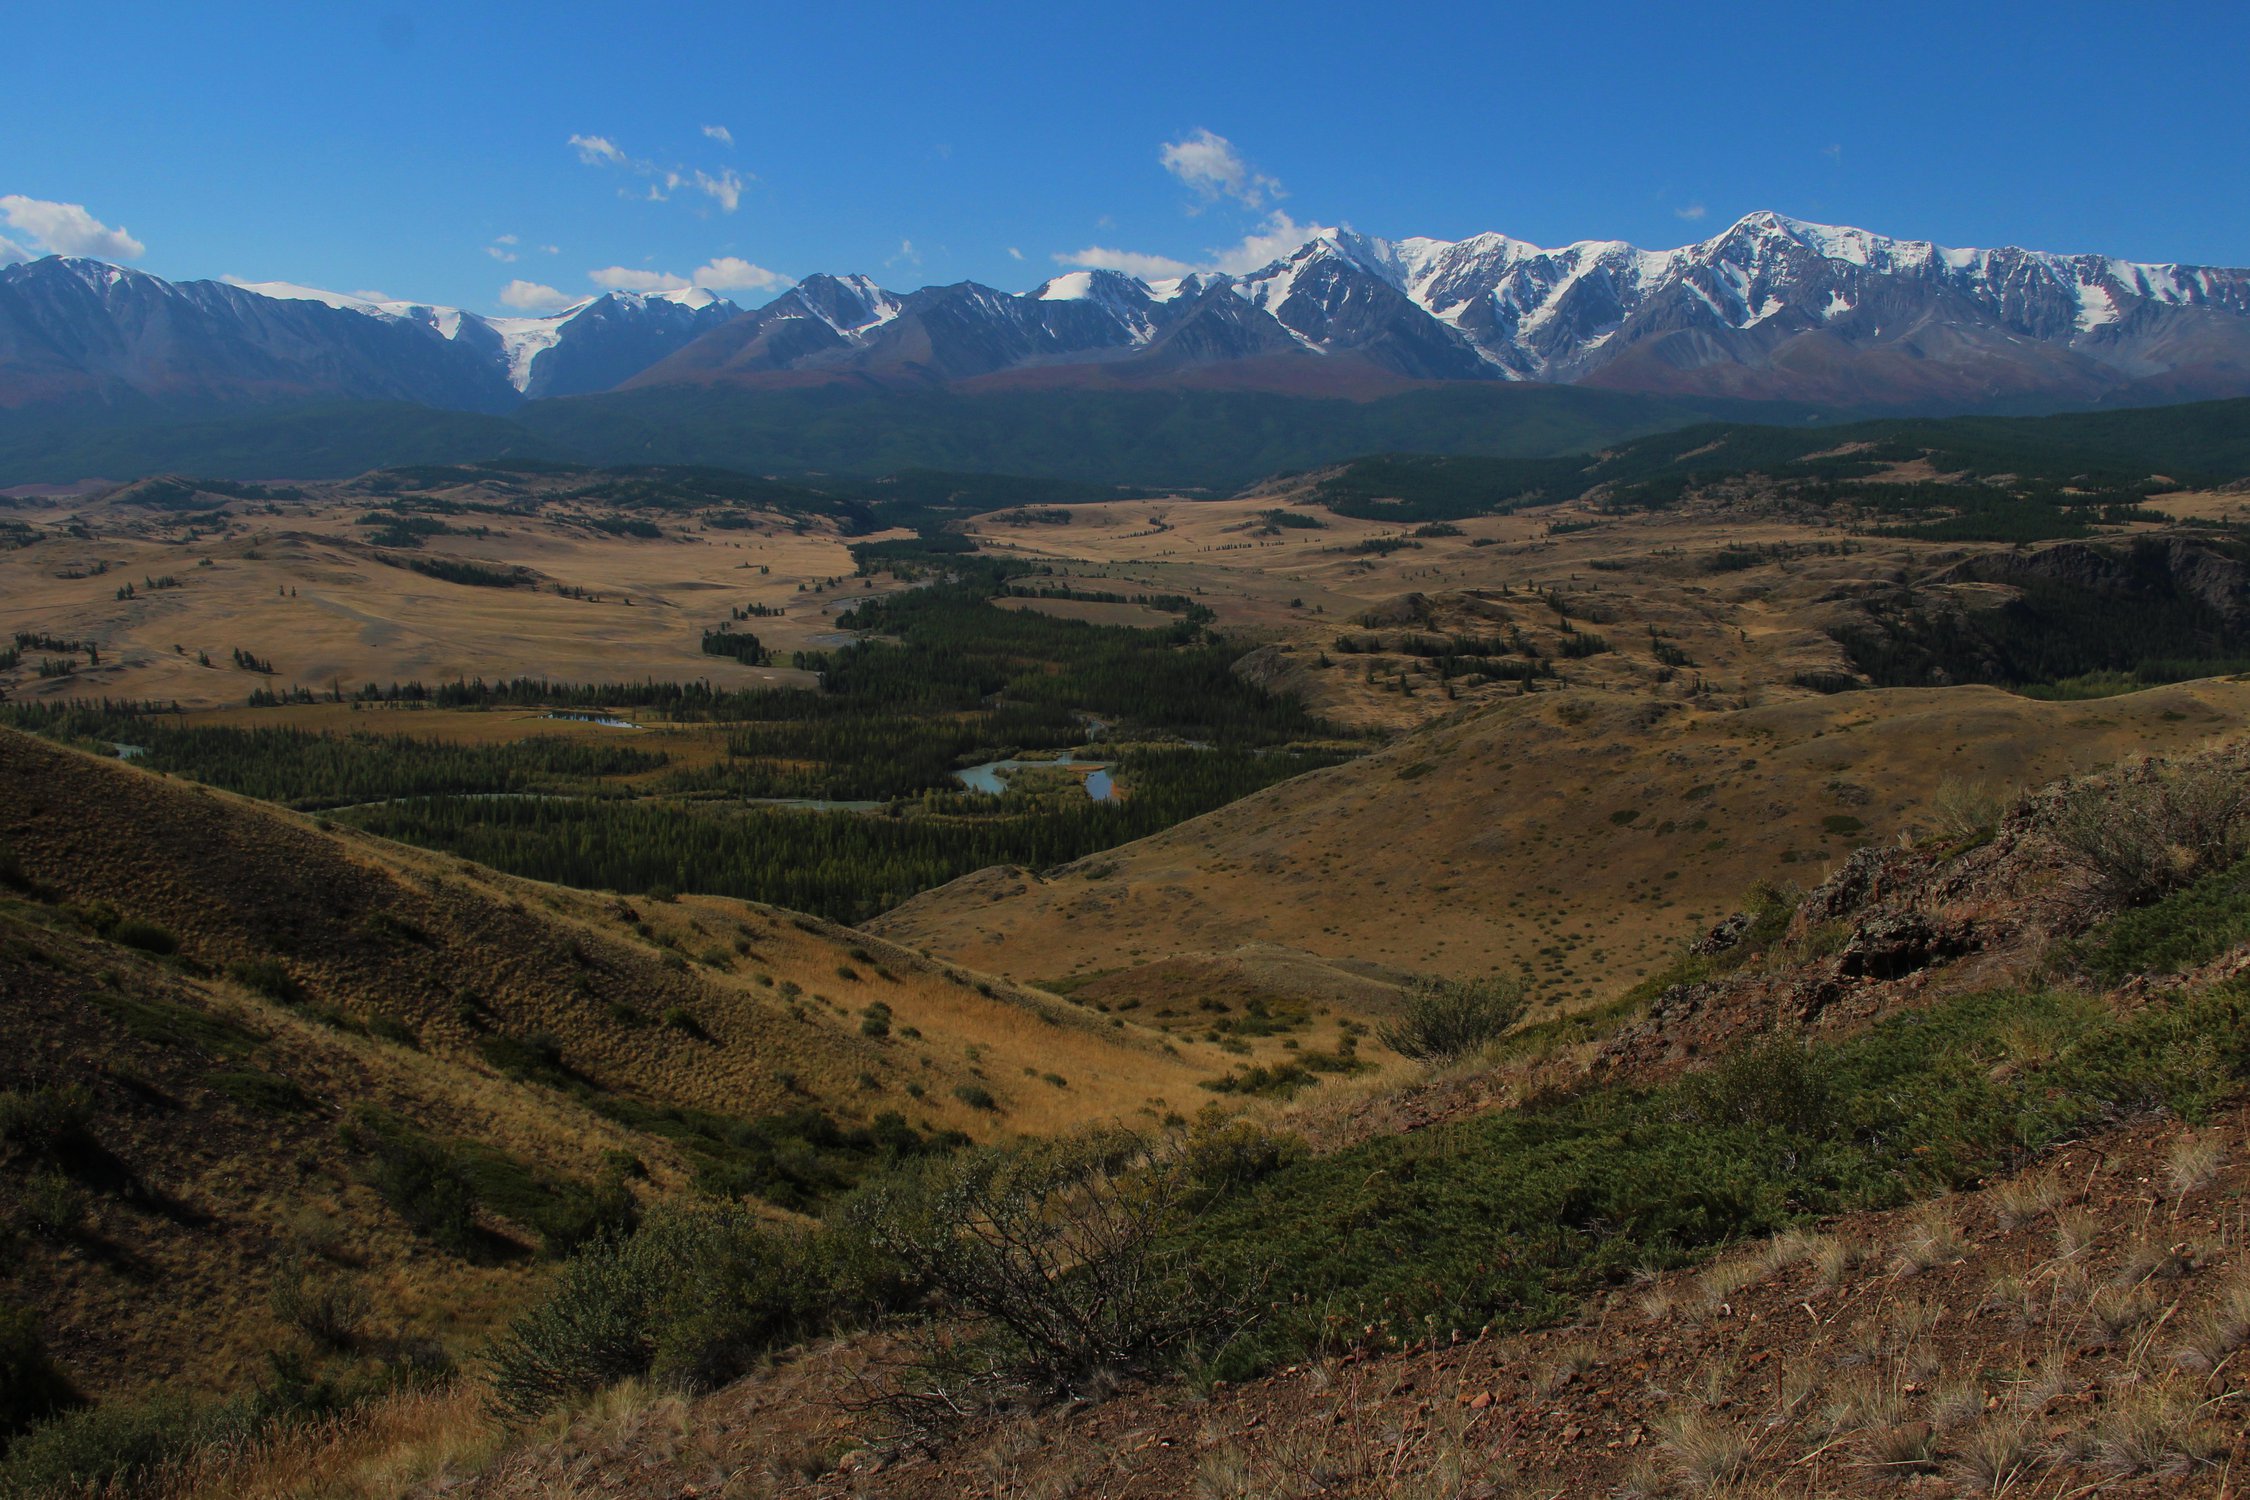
point(53, 1207)
point(1448, 1018)
point(692, 1298)
point(31, 1388)
point(2154, 830)
point(1065, 1250)
point(269, 977)
point(105, 1448)
point(1964, 813)
point(146, 936)
point(1775, 1084)
point(394, 1031)
point(261, 1091)
point(1222, 1158)
point(2176, 932)
point(47, 1123)
point(418, 1178)
point(976, 1096)
point(327, 1309)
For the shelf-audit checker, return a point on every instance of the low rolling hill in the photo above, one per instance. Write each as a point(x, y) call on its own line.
point(247, 1050)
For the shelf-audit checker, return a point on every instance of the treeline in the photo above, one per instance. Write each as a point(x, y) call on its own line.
point(697, 701)
point(1171, 604)
point(739, 644)
point(304, 769)
point(2074, 612)
point(852, 750)
point(846, 868)
point(953, 651)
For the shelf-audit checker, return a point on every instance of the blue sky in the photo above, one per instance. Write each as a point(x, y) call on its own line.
point(427, 151)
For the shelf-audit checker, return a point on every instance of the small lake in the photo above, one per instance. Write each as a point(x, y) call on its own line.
point(988, 779)
point(602, 719)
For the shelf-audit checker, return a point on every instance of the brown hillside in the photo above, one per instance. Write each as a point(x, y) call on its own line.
point(1579, 836)
point(316, 972)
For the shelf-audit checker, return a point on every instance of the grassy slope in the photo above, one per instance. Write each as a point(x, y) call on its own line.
point(413, 975)
point(1501, 834)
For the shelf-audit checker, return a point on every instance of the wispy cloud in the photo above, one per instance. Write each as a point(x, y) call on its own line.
point(66, 229)
point(11, 252)
point(1690, 212)
point(532, 297)
point(1212, 169)
point(599, 151)
point(907, 255)
point(1014, 253)
point(723, 187)
point(503, 249)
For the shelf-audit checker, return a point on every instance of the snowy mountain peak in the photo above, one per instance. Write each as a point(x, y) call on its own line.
point(522, 350)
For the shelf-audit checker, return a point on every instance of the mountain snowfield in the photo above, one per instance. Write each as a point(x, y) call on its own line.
point(523, 342)
point(1770, 308)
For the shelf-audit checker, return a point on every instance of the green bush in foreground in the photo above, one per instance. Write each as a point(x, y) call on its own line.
point(692, 1298)
point(115, 1443)
point(2178, 932)
point(1511, 1218)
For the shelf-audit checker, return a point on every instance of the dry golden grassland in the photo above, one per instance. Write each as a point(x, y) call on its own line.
point(1579, 836)
point(405, 966)
point(303, 590)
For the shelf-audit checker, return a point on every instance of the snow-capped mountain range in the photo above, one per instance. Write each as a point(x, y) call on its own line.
point(76, 331)
point(1771, 307)
point(544, 355)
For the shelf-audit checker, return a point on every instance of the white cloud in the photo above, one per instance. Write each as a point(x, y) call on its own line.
point(1691, 213)
point(725, 189)
point(626, 279)
point(67, 229)
point(11, 252)
point(1262, 246)
point(1276, 237)
point(598, 151)
point(1213, 169)
point(907, 255)
point(731, 273)
point(1014, 253)
point(719, 133)
point(501, 253)
point(1131, 262)
point(530, 296)
point(550, 249)
point(506, 239)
